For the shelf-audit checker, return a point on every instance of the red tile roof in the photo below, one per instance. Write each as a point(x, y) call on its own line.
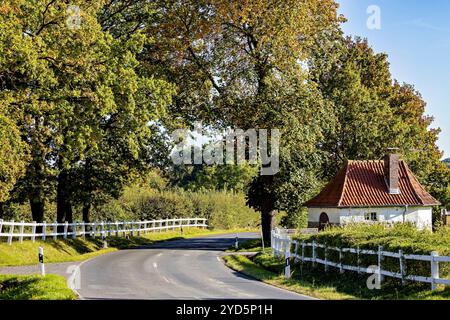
point(362, 184)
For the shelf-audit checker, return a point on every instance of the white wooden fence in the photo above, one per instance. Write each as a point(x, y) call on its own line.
point(282, 245)
point(23, 230)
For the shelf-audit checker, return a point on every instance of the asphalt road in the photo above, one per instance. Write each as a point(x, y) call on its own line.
point(179, 269)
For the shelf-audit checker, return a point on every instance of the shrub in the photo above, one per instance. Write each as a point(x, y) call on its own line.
point(141, 201)
point(398, 237)
point(224, 210)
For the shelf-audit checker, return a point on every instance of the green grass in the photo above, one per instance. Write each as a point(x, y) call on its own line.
point(26, 253)
point(50, 287)
point(316, 283)
point(253, 245)
point(246, 266)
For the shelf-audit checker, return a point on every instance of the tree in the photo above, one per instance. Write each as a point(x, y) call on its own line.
point(13, 158)
point(374, 111)
point(86, 108)
point(231, 61)
point(232, 177)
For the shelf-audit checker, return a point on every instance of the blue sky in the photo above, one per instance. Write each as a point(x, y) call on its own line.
point(416, 36)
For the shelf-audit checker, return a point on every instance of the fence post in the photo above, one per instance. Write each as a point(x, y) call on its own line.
point(117, 228)
point(22, 227)
point(167, 224)
point(295, 252)
point(278, 245)
point(11, 232)
point(303, 251)
point(271, 241)
point(102, 230)
point(1, 225)
point(145, 227)
point(434, 270)
point(274, 244)
point(74, 230)
point(44, 230)
point(314, 253)
point(109, 228)
point(380, 264)
point(55, 230)
point(326, 257)
point(83, 230)
point(173, 224)
point(94, 229)
point(287, 256)
point(33, 231)
point(66, 226)
point(341, 266)
point(124, 229)
point(402, 265)
point(358, 259)
point(160, 225)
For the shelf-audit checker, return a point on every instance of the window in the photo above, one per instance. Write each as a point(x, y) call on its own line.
point(371, 216)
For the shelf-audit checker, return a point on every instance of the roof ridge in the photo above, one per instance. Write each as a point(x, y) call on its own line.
point(364, 161)
point(344, 185)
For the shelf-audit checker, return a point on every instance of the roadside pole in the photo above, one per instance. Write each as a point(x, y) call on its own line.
point(287, 269)
point(105, 243)
point(262, 241)
point(41, 261)
point(236, 242)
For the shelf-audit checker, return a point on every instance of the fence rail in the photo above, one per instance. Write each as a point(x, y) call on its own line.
point(23, 230)
point(282, 245)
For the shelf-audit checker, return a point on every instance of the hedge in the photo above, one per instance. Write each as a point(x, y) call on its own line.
point(403, 237)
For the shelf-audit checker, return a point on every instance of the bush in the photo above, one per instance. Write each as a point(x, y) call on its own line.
point(144, 201)
point(296, 220)
point(224, 210)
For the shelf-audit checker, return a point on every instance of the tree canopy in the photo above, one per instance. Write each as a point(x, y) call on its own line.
point(90, 91)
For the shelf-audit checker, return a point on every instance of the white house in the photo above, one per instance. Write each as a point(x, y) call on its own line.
point(381, 190)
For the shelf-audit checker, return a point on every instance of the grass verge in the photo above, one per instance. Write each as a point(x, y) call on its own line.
point(253, 245)
point(314, 282)
point(79, 249)
point(50, 287)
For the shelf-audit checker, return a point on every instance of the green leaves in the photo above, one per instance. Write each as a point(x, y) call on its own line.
point(78, 95)
point(13, 156)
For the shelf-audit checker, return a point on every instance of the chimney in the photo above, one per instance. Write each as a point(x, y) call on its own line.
point(391, 172)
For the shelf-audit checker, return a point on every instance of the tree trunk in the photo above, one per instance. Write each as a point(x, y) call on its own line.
point(69, 212)
point(88, 189)
point(267, 224)
point(61, 199)
point(86, 208)
point(37, 212)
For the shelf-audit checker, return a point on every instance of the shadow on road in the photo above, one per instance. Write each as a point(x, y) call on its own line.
point(210, 244)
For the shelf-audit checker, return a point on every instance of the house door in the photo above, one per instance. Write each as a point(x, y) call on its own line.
point(323, 221)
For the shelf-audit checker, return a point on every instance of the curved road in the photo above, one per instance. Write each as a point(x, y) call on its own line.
point(179, 269)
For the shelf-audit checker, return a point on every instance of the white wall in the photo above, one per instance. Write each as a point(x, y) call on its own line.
point(421, 216)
